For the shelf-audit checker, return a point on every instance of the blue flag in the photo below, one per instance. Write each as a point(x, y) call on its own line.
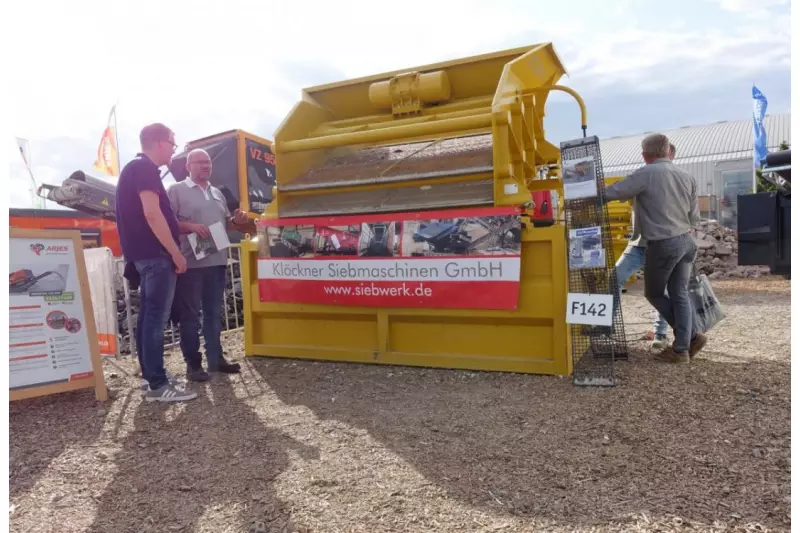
point(759, 133)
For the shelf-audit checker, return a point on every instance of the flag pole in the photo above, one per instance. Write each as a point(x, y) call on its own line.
point(116, 139)
point(755, 152)
point(25, 152)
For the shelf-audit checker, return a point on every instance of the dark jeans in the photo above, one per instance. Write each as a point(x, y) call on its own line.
point(668, 264)
point(201, 288)
point(156, 290)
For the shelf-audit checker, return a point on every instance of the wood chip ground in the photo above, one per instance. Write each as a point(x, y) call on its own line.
point(293, 446)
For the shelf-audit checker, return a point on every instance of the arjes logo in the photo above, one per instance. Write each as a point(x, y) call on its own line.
point(38, 248)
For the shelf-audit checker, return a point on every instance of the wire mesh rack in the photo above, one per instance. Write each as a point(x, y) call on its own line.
point(594, 348)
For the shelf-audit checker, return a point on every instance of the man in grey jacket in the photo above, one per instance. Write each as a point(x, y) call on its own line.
point(666, 211)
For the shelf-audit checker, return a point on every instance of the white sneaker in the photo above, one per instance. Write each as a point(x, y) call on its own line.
point(169, 393)
point(144, 386)
point(659, 343)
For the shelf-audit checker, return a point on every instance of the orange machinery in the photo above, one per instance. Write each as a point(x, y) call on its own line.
point(95, 231)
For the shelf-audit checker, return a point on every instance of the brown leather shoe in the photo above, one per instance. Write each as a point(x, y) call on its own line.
point(669, 355)
point(697, 344)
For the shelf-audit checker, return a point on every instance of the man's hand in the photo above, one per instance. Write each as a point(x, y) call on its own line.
point(239, 217)
point(180, 263)
point(201, 230)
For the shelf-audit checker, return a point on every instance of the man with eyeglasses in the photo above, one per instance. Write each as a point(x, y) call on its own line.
point(148, 232)
point(198, 205)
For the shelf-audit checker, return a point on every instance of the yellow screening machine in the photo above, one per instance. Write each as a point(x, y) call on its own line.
point(401, 231)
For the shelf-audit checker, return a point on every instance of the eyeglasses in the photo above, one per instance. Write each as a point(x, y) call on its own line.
point(174, 145)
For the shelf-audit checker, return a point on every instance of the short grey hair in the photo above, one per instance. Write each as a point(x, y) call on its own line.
point(656, 145)
point(153, 134)
point(196, 152)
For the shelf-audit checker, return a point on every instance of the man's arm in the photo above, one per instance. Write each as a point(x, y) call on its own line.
point(157, 222)
point(238, 221)
point(148, 186)
point(694, 209)
point(629, 187)
point(185, 227)
point(241, 223)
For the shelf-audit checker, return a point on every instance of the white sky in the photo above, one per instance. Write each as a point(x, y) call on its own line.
point(204, 67)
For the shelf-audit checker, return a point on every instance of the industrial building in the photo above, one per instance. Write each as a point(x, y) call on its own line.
point(719, 156)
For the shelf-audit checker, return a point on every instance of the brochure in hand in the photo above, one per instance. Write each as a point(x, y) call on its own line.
point(203, 247)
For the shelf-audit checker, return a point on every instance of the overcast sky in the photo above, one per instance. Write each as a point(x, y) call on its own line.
point(641, 65)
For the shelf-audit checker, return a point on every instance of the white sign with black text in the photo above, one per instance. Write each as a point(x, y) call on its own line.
point(590, 309)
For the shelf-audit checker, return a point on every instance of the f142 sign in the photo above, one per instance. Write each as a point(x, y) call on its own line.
point(467, 259)
point(590, 309)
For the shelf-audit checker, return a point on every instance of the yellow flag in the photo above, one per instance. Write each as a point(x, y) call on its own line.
point(107, 152)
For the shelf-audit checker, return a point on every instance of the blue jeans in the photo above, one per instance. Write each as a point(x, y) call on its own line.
point(156, 290)
point(632, 260)
point(668, 265)
point(201, 289)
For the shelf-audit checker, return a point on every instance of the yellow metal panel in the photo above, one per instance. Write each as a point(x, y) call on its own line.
point(502, 94)
point(531, 339)
point(450, 125)
point(241, 155)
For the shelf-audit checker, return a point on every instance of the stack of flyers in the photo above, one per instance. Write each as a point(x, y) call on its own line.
point(586, 248)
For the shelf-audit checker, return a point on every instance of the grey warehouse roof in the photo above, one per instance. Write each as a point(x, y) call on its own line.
point(721, 141)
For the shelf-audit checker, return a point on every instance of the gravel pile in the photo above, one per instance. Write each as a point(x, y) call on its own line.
point(296, 446)
point(718, 254)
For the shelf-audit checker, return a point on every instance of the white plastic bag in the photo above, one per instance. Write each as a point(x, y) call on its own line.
point(707, 309)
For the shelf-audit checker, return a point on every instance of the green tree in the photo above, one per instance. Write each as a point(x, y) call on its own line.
point(762, 184)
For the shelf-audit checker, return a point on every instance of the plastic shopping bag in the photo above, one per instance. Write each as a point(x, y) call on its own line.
point(707, 309)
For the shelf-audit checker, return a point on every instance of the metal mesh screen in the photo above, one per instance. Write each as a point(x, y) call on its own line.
point(398, 163)
point(594, 348)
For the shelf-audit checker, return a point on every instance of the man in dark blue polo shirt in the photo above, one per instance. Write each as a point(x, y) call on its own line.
point(148, 232)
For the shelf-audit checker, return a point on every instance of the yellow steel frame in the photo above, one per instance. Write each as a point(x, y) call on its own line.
point(532, 339)
point(504, 94)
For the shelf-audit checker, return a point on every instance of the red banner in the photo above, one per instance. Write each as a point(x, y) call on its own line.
point(467, 259)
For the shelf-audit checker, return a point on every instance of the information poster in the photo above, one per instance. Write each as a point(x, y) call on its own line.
point(580, 178)
point(52, 335)
point(586, 248)
point(467, 259)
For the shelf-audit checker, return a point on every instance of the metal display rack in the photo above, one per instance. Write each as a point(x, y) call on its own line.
point(594, 348)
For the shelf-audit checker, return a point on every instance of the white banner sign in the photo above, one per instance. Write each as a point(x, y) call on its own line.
point(590, 309)
point(100, 269)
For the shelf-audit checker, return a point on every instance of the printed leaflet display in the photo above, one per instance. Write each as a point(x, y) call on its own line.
point(586, 248)
point(467, 259)
point(48, 342)
point(579, 177)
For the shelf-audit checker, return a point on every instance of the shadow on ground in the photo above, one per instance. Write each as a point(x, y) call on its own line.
point(40, 431)
point(181, 461)
point(704, 442)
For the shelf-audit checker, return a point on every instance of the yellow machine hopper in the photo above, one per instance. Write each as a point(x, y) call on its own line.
point(454, 134)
